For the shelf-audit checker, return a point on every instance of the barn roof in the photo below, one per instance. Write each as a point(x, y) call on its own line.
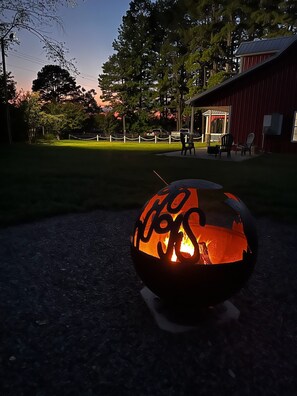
point(231, 80)
point(264, 46)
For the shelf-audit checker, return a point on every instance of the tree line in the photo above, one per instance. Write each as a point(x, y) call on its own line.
point(166, 52)
point(56, 104)
point(55, 107)
point(169, 50)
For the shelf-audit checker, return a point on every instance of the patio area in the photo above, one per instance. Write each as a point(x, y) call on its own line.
point(201, 153)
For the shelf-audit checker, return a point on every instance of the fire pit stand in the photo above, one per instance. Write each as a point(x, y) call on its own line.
point(174, 320)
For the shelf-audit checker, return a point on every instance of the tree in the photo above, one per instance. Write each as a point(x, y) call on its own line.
point(170, 50)
point(32, 113)
point(87, 99)
point(54, 118)
point(126, 78)
point(173, 53)
point(53, 123)
point(64, 116)
point(55, 84)
point(110, 123)
point(35, 16)
point(270, 18)
point(168, 71)
point(10, 86)
point(110, 81)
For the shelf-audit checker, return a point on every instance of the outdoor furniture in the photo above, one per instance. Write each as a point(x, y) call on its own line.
point(189, 145)
point(226, 144)
point(247, 146)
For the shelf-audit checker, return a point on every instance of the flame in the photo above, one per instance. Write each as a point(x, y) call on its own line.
point(217, 245)
point(186, 247)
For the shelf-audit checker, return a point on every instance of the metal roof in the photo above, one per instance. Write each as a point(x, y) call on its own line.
point(273, 45)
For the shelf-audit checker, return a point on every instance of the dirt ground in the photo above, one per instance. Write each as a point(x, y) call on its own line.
point(73, 321)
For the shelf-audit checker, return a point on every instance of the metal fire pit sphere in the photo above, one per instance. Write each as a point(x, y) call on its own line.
point(194, 243)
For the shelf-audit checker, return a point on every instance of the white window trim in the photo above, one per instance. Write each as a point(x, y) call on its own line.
point(294, 129)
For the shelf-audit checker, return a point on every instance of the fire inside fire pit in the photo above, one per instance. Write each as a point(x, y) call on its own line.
point(194, 243)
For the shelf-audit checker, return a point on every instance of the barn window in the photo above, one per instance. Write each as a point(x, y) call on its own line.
point(294, 132)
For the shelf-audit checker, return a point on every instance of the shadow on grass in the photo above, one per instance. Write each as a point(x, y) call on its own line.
point(45, 180)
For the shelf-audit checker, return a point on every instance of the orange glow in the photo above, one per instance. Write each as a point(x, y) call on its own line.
point(174, 225)
point(222, 245)
point(232, 196)
point(186, 247)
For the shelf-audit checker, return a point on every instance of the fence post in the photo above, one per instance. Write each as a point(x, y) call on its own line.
point(69, 136)
point(138, 138)
point(169, 139)
point(110, 138)
point(124, 138)
point(97, 138)
point(155, 138)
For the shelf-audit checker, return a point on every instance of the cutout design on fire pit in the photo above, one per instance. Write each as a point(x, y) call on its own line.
point(194, 242)
point(173, 227)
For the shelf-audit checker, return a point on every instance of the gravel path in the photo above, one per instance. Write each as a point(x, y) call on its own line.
point(73, 321)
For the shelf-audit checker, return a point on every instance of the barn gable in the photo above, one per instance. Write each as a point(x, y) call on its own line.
point(254, 52)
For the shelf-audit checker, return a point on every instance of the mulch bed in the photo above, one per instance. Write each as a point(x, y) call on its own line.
point(73, 321)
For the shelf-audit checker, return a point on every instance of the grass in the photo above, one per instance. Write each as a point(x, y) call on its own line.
point(44, 180)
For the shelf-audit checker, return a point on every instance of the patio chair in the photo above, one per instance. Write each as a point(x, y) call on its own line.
point(247, 146)
point(226, 144)
point(189, 145)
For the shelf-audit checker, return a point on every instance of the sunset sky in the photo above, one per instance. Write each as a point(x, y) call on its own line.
point(89, 30)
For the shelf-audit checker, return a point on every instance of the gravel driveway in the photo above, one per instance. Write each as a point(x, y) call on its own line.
point(73, 321)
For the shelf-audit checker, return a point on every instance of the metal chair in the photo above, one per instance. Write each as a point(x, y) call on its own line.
point(226, 144)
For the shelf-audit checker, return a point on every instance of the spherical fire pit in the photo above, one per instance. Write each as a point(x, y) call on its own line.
point(194, 244)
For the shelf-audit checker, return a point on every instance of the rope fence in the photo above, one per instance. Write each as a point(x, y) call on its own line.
point(125, 139)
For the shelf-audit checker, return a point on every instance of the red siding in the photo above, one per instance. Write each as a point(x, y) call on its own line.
point(270, 89)
point(252, 60)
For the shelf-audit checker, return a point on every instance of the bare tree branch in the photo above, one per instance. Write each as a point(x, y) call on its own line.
point(34, 16)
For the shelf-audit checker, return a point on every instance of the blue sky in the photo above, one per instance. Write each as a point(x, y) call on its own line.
point(89, 30)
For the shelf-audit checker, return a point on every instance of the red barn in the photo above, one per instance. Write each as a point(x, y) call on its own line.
point(262, 98)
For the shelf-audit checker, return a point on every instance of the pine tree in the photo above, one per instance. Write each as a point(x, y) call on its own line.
point(55, 84)
point(126, 79)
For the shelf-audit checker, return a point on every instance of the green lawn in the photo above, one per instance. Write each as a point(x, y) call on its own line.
point(70, 176)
